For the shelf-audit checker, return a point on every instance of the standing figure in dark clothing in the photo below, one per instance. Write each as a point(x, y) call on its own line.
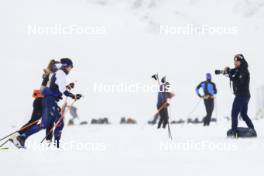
point(240, 78)
point(38, 98)
point(51, 113)
point(209, 92)
point(163, 104)
point(37, 104)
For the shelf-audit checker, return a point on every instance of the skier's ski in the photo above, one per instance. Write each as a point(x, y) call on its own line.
point(7, 136)
point(4, 148)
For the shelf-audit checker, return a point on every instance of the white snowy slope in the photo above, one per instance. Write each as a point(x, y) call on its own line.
point(139, 150)
point(129, 50)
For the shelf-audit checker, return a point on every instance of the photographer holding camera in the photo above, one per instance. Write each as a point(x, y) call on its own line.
point(240, 78)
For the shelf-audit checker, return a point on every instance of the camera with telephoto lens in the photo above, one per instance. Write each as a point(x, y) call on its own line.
point(223, 72)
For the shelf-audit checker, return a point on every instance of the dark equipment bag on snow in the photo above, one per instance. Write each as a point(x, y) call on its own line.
point(243, 133)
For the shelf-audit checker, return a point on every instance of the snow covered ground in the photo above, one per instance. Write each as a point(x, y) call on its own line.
point(125, 44)
point(140, 150)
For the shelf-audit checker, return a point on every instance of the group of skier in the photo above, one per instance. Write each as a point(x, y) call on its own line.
point(239, 77)
point(47, 114)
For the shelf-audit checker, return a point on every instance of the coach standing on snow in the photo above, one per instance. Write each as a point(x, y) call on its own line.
point(209, 92)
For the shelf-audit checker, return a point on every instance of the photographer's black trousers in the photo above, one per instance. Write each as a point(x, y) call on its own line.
point(240, 105)
point(164, 118)
point(209, 106)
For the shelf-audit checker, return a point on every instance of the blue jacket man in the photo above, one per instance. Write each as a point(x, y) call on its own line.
point(209, 91)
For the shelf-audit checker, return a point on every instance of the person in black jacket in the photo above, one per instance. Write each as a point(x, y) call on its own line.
point(240, 78)
point(37, 103)
point(163, 96)
point(52, 113)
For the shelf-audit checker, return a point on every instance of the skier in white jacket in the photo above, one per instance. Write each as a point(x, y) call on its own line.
point(51, 114)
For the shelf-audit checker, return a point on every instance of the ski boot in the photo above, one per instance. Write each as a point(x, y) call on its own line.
point(19, 142)
point(232, 134)
point(14, 136)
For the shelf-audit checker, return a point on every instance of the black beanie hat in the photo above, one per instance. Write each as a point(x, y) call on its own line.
point(241, 58)
point(66, 62)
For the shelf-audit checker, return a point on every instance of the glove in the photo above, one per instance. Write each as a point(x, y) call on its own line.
point(69, 94)
point(206, 97)
point(78, 96)
point(227, 70)
point(70, 86)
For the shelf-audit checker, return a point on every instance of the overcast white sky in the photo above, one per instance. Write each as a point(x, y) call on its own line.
point(131, 50)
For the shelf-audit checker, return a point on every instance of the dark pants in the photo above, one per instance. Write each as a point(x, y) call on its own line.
point(240, 105)
point(50, 115)
point(164, 118)
point(209, 106)
point(35, 117)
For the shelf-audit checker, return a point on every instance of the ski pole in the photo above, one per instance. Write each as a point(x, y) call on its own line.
point(21, 129)
point(60, 119)
point(169, 129)
point(62, 114)
point(216, 110)
point(160, 109)
point(195, 107)
point(4, 143)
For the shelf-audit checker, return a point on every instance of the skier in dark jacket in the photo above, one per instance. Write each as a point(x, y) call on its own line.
point(209, 92)
point(51, 111)
point(163, 104)
point(240, 78)
point(37, 104)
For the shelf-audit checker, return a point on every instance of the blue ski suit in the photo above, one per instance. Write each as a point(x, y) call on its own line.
point(51, 113)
